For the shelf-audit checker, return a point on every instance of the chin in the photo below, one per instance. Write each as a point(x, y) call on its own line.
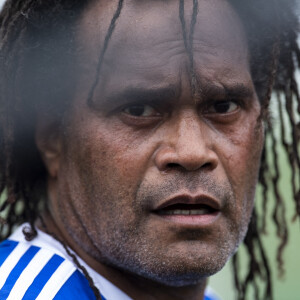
point(181, 279)
point(179, 272)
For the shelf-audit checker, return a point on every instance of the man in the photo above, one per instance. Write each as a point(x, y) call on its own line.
point(132, 137)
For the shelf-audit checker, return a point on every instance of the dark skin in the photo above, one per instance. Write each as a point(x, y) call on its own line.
point(147, 143)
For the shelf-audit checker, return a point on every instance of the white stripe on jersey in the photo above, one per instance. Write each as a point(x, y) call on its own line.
point(30, 272)
point(57, 280)
point(11, 261)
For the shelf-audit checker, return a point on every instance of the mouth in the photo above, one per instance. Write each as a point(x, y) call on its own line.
point(199, 211)
point(186, 210)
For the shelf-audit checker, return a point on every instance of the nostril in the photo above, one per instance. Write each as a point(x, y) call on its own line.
point(207, 165)
point(179, 166)
point(173, 165)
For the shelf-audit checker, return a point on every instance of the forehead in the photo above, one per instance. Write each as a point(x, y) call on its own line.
point(147, 44)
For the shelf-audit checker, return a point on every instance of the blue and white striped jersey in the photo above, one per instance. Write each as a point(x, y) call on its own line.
point(30, 272)
point(41, 270)
point(46, 256)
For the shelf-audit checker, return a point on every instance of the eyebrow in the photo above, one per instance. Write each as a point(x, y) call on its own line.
point(141, 94)
point(171, 92)
point(237, 90)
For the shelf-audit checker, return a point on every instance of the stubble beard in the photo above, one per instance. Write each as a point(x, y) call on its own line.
point(129, 249)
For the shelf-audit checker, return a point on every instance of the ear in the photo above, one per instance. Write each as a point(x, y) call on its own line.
point(49, 143)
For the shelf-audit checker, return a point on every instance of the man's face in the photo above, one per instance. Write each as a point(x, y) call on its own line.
point(154, 179)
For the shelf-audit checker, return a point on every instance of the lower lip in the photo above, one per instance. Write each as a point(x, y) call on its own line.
point(192, 220)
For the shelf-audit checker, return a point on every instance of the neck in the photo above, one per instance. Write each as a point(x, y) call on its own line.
point(134, 286)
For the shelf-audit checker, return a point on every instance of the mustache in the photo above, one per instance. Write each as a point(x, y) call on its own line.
point(149, 194)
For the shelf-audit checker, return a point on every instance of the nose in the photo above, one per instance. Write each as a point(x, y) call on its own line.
point(187, 144)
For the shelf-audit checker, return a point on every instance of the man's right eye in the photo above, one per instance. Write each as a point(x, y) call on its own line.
point(140, 110)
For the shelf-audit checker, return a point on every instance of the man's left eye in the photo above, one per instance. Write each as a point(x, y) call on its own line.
point(223, 107)
point(140, 110)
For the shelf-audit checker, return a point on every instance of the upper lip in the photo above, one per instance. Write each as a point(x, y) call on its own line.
point(190, 199)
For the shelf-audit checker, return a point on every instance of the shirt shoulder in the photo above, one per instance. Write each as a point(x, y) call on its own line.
point(31, 272)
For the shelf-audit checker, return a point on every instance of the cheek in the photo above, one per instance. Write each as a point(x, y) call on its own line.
point(108, 167)
point(241, 160)
point(104, 151)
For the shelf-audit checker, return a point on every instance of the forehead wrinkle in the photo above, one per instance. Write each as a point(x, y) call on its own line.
point(156, 56)
point(110, 84)
point(223, 66)
point(165, 52)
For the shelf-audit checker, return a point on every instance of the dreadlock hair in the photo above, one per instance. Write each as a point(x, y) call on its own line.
point(37, 51)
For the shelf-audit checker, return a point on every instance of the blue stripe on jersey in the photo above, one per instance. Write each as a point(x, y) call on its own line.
point(6, 248)
point(42, 278)
point(76, 287)
point(17, 270)
point(209, 298)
